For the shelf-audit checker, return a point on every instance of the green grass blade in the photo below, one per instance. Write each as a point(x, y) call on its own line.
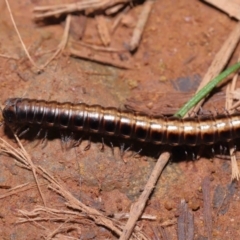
point(206, 90)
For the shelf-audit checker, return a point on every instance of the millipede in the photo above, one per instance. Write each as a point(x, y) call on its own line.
point(81, 117)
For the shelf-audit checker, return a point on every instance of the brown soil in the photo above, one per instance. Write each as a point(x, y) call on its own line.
point(178, 45)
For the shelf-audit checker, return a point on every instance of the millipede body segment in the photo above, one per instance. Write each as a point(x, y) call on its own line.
point(129, 125)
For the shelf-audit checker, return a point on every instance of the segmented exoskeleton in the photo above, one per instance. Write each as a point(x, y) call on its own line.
point(129, 125)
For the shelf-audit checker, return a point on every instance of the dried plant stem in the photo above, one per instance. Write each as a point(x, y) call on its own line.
point(79, 209)
point(63, 42)
point(85, 5)
point(33, 168)
point(103, 30)
point(95, 47)
point(228, 105)
point(8, 56)
point(20, 38)
point(138, 207)
point(99, 59)
point(142, 20)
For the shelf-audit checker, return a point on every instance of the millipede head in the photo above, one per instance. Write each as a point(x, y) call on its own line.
point(9, 111)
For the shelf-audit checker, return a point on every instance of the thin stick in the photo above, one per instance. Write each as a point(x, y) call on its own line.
point(63, 42)
point(118, 19)
point(142, 20)
point(86, 5)
point(98, 48)
point(33, 168)
point(73, 203)
point(220, 60)
point(19, 36)
point(15, 190)
point(97, 59)
point(103, 30)
point(57, 230)
point(9, 57)
point(138, 207)
point(228, 104)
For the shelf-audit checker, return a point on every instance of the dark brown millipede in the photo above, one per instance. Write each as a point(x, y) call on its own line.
point(129, 125)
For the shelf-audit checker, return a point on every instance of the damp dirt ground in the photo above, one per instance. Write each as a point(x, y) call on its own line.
point(179, 43)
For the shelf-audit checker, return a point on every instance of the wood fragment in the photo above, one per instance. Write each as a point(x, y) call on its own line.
point(185, 222)
point(228, 105)
point(20, 188)
point(101, 60)
point(89, 6)
point(96, 48)
point(114, 9)
point(207, 213)
point(23, 158)
point(63, 42)
point(9, 57)
point(118, 19)
point(103, 30)
point(164, 233)
point(231, 7)
point(138, 207)
point(142, 20)
point(78, 26)
point(223, 197)
point(126, 216)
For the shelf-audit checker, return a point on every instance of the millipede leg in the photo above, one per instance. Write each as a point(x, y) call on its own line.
point(38, 134)
point(44, 141)
point(88, 145)
point(137, 154)
point(112, 147)
point(127, 149)
point(122, 149)
point(24, 132)
point(77, 143)
point(102, 145)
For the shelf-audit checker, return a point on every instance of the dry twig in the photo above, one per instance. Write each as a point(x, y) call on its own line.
point(23, 157)
point(86, 5)
point(228, 105)
point(60, 48)
point(63, 42)
point(78, 207)
point(103, 30)
point(9, 57)
point(207, 211)
point(96, 48)
point(99, 59)
point(142, 20)
point(20, 38)
point(138, 207)
point(118, 19)
point(185, 223)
